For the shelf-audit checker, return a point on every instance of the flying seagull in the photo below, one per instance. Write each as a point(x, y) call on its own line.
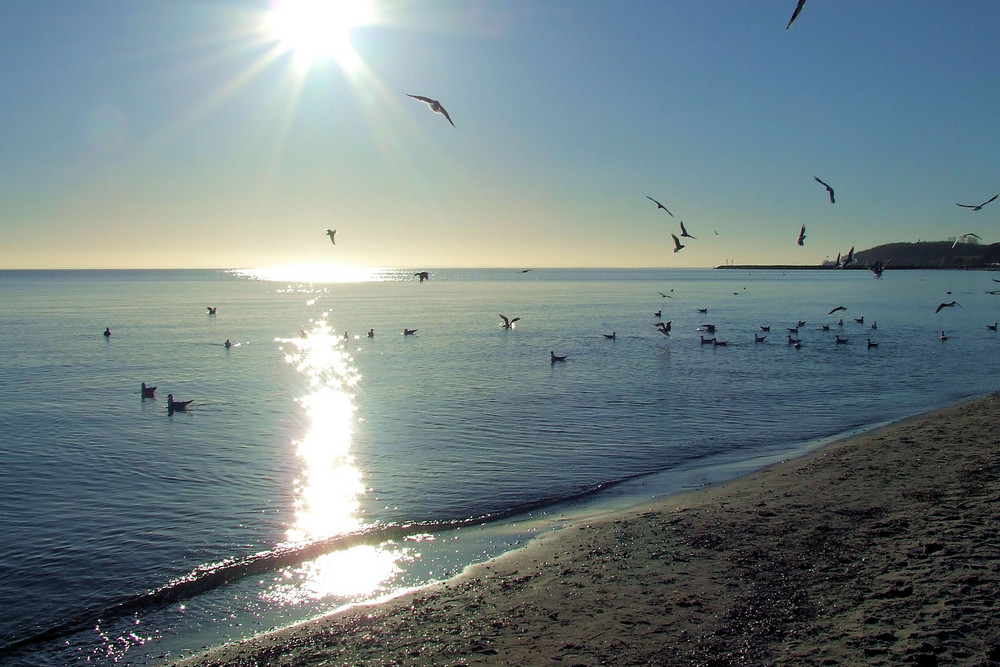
point(948, 305)
point(508, 323)
point(828, 189)
point(332, 233)
point(659, 205)
point(435, 106)
point(795, 14)
point(684, 232)
point(836, 309)
point(802, 235)
point(423, 275)
point(976, 207)
point(677, 243)
point(965, 237)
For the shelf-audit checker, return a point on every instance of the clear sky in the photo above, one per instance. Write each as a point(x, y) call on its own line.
point(166, 133)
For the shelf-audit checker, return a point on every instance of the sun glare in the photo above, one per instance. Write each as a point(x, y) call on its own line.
point(318, 30)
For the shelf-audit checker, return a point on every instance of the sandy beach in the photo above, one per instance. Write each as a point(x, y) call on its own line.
point(882, 549)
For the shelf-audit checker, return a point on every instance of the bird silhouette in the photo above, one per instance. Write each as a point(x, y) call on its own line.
point(976, 207)
point(828, 189)
point(677, 243)
point(173, 405)
point(332, 233)
point(948, 305)
point(611, 336)
point(148, 392)
point(553, 357)
point(795, 14)
point(832, 311)
point(508, 323)
point(435, 106)
point(684, 232)
point(802, 236)
point(423, 275)
point(659, 205)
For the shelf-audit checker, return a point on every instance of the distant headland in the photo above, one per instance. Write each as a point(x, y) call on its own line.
point(897, 256)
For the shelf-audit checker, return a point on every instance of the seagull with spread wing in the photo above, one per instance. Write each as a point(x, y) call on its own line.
point(435, 106)
point(828, 189)
point(802, 235)
point(976, 207)
point(684, 232)
point(965, 237)
point(677, 243)
point(659, 205)
point(507, 322)
point(332, 233)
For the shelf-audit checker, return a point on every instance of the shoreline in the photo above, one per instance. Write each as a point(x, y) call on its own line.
point(879, 548)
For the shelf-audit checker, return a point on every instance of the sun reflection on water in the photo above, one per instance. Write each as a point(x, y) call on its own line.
point(330, 486)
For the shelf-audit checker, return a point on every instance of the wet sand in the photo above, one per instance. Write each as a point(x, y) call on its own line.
point(882, 549)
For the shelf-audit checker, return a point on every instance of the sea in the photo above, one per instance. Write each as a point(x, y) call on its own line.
point(328, 459)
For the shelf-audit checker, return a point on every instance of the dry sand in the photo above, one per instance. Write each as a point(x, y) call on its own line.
point(883, 549)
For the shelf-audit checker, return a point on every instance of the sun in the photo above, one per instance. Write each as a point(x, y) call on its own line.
point(318, 30)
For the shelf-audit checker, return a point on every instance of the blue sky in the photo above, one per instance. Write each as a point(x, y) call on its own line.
point(181, 134)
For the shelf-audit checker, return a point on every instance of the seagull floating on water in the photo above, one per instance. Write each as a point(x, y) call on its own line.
point(943, 337)
point(107, 332)
point(434, 105)
point(611, 336)
point(553, 357)
point(508, 323)
point(871, 344)
point(948, 305)
point(828, 189)
point(659, 205)
point(839, 340)
point(173, 405)
point(795, 14)
point(212, 310)
point(757, 338)
point(677, 243)
point(976, 207)
point(409, 332)
point(332, 233)
point(148, 392)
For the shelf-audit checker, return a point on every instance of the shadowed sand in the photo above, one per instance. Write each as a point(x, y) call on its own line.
point(880, 549)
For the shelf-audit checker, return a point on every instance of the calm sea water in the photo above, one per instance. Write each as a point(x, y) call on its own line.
point(314, 470)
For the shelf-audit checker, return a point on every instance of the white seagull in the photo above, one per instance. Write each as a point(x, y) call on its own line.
point(965, 237)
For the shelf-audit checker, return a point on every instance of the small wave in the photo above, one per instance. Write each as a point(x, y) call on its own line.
point(211, 576)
